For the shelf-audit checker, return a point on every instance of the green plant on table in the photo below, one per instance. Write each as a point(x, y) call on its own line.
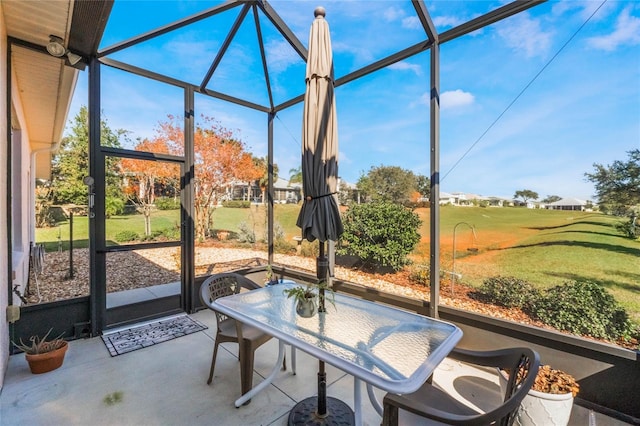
point(301, 292)
point(40, 345)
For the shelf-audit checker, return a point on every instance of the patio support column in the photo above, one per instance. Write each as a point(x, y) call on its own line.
point(434, 198)
point(8, 187)
point(272, 116)
point(189, 292)
point(97, 255)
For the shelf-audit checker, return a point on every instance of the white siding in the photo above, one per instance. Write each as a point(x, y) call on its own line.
point(4, 267)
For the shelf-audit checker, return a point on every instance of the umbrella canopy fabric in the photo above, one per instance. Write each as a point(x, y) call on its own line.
point(319, 217)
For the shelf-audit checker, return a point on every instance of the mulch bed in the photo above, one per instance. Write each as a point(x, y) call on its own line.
point(143, 268)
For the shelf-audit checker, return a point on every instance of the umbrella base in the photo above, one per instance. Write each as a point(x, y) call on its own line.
point(304, 413)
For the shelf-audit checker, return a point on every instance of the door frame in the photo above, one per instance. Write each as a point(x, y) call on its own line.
point(97, 251)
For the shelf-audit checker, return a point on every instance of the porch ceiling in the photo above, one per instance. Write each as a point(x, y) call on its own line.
point(42, 84)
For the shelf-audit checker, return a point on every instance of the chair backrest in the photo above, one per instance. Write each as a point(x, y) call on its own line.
point(224, 284)
point(522, 364)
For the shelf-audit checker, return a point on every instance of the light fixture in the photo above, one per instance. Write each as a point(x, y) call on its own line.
point(55, 47)
point(73, 58)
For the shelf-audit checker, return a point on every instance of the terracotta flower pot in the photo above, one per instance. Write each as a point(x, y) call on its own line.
point(48, 361)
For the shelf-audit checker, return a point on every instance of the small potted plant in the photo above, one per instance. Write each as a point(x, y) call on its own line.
point(271, 278)
point(550, 399)
point(43, 355)
point(306, 297)
point(305, 300)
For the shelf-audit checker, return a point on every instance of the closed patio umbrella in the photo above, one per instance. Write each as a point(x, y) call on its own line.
point(319, 217)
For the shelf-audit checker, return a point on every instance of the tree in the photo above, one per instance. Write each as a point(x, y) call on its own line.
point(388, 183)
point(295, 175)
point(526, 195)
point(71, 163)
point(220, 160)
point(142, 177)
point(618, 185)
point(380, 233)
point(551, 199)
point(262, 163)
point(423, 185)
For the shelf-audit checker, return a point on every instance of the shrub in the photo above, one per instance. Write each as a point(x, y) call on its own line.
point(584, 307)
point(309, 249)
point(278, 233)
point(380, 233)
point(280, 244)
point(113, 206)
point(629, 229)
point(245, 233)
point(172, 233)
point(167, 203)
point(510, 292)
point(126, 236)
point(48, 215)
point(236, 204)
point(421, 274)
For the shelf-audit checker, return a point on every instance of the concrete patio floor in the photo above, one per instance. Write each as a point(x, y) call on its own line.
point(165, 384)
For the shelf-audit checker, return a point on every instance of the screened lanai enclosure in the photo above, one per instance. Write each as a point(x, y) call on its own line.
point(188, 84)
point(177, 84)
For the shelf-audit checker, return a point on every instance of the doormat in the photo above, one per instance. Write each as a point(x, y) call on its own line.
point(132, 339)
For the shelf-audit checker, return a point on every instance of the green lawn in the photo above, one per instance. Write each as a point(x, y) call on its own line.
point(542, 246)
point(545, 248)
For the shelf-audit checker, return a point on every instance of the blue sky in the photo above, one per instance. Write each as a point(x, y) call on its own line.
point(528, 103)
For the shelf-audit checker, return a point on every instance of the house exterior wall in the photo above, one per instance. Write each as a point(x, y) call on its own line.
point(4, 210)
point(17, 180)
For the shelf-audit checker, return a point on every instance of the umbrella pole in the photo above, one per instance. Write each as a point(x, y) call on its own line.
point(321, 273)
point(322, 391)
point(322, 264)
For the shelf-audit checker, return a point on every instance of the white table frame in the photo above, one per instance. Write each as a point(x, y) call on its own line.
point(240, 307)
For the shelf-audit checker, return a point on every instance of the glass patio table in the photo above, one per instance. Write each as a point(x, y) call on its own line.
point(386, 347)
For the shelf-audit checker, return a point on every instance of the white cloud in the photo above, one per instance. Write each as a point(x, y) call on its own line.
point(393, 14)
point(454, 99)
point(584, 10)
point(627, 31)
point(404, 66)
point(362, 53)
point(344, 158)
point(521, 33)
point(411, 22)
point(280, 55)
point(447, 21)
point(448, 100)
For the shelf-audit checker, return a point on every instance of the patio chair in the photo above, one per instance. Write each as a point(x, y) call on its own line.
point(438, 406)
point(229, 330)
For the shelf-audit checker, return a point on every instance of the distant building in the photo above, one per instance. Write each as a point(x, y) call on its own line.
point(446, 198)
point(347, 192)
point(568, 204)
point(286, 192)
point(283, 192)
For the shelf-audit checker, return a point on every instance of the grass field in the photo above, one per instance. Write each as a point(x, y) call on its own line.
point(544, 247)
